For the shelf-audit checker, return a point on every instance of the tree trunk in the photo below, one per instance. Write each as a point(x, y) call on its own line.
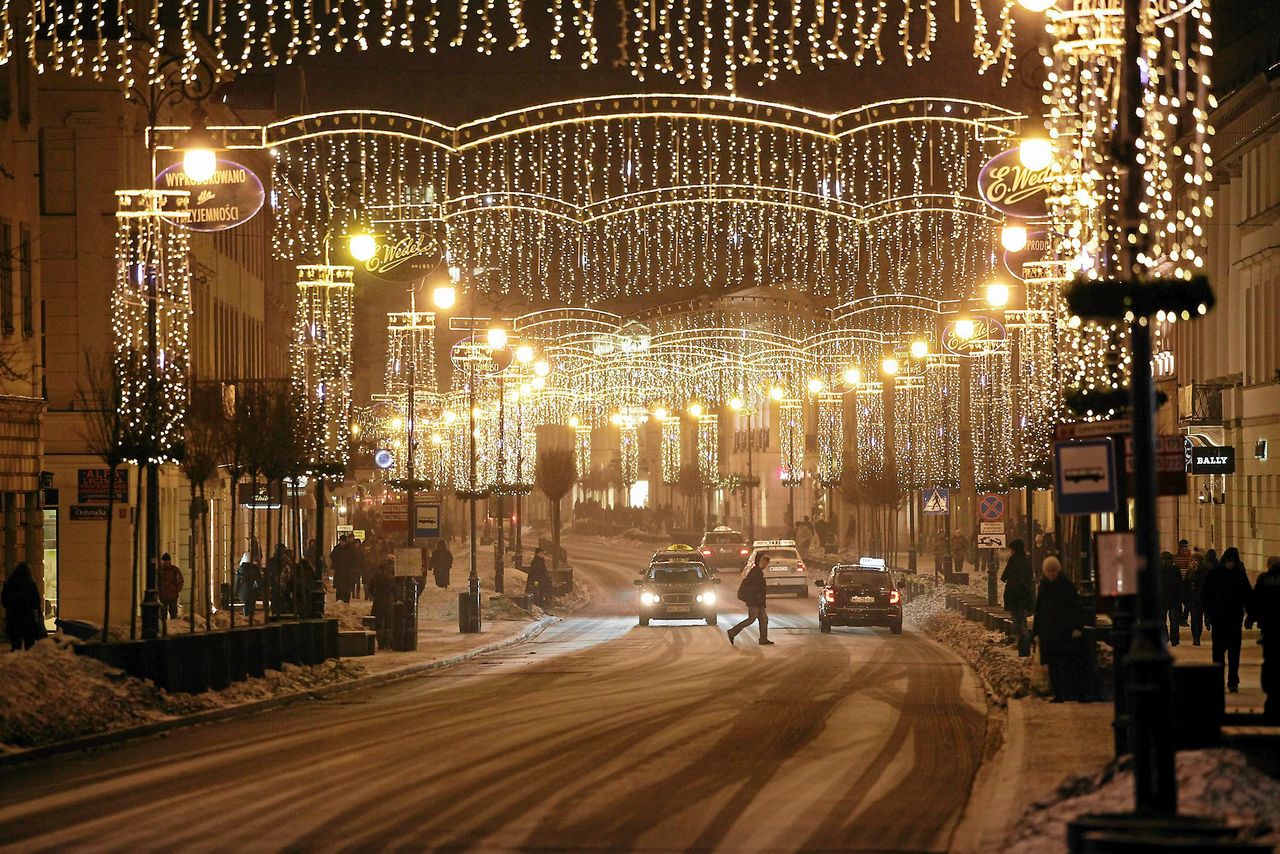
point(555, 535)
point(106, 587)
point(253, 534)
point(206, 557)
point(193, 520)
point(232, 558)
point(137, 530)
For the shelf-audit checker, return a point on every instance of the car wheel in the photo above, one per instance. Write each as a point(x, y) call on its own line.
point(644, 621)
point(824, 627)
point(711, 619)
point(896, 628)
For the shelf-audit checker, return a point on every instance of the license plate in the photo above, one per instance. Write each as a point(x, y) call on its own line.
point(677, 608)
point(862, 600)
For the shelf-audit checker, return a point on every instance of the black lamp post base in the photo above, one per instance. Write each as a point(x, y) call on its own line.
point(150, 611)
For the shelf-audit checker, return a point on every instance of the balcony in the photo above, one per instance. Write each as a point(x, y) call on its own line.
point(1200, 404)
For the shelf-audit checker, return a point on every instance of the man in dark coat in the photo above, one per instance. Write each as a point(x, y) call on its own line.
point(1059, 626)
point(1265, 610)
point(754, 595)
point(23, 621)
point(382, 589)
point(168, 587)
point(1192, 589)
point(1019, 593)
point(441, 563)
point(1226, 596)
point(340, 560)
point(1171, 596)
point(539, 583)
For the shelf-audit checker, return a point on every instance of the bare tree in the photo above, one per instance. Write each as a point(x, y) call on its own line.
point(108, 435)
point(203, 443)
point(556, 473)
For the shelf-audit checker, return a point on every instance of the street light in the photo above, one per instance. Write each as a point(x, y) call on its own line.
point(1013, 237)
point(497, 337)
point(965, 328)
point(816, 385)
point(776, 393)
point(362, 246)
point(1035, 153)
point(852, 376)
point(444, 296)
point(541, 369)
point(919, 348)
point(199, 159)
point(997, 294)
point(695, 409)
point(889, 365)
point(524, 354)
point(1036, 5)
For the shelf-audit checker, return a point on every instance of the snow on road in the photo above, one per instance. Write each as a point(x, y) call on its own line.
point(597, 735)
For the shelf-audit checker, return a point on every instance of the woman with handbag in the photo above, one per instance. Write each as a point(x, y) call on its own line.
point(23, 622)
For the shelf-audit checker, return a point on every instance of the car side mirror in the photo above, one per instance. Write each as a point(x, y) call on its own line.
point(638, 581)
point(819, 582)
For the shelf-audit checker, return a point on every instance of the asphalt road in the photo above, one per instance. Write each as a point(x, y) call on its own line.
point(598, 735)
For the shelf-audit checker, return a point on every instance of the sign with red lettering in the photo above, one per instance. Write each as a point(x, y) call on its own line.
point(93, 486)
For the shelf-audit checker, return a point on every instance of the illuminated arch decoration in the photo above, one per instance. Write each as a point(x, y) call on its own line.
point(323, 330)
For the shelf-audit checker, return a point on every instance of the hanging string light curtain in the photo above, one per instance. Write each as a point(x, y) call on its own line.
point(584, 201)
point(791, 441)
point(942, 400)
point(710, 43)
point(869, 403)
point(830, 438)
point(320, 361)
point(708, 446)
point(990, 417)
point(671, 449)
point(910, 427)
point(150, 317)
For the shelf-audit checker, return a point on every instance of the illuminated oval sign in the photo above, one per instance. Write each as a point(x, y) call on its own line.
point(984, 329)
point(1013, 189)
point(231, 196)
point(384, 459)
point(405, 259)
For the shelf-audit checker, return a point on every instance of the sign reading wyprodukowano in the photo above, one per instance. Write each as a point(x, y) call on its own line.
point(1013, 189)
point(93, 486)
point(230, 197)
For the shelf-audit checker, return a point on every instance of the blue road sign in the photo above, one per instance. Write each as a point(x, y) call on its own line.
point(1084, 477)
point(991, 507)
point(935, 501)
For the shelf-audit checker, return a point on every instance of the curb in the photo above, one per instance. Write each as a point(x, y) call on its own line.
point(17, 757)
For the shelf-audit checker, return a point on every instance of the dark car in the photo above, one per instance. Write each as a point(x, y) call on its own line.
point(861, 594)
point(676, 553)
point(724, 548)
point(677, 591)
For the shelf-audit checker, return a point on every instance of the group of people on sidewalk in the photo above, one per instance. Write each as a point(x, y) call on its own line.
point(1197, 590)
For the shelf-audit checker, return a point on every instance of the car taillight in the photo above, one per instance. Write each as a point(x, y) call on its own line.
point(894, 597)
point(799, 566)
point(743, 552)
point(829, 595)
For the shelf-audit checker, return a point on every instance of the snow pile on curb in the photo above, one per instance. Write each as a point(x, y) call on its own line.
point(1005, 674)
point(51, 694)
point(926, 605)
point(350, 616)
point(502, 608)
point(1217, 783)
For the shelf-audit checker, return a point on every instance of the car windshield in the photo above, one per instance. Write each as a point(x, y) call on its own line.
point(861, 578)
point(682, 574)
point(780, 554)
point(720, 539)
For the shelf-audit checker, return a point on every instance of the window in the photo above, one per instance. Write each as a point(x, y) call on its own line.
point(57, 171)
point(6, 276)
point(25, 283)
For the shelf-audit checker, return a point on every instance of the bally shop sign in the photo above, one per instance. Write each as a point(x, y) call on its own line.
point(405, 259)
point(1013, 189)
point(93, 486)
point(1210, 459)
point(230, 197)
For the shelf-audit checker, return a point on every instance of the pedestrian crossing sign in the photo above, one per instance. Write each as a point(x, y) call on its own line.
point(936, 501)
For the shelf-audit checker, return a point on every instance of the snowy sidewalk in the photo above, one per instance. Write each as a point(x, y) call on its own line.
point(1250, 698)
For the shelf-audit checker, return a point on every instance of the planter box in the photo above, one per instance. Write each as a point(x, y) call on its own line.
point(218, 651)
point(273, 646)
point(330, 637)
point(356, 643)
point(186, 664)
point(293, 642)
point(239, 648)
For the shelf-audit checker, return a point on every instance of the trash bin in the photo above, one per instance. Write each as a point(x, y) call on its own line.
point(469, 612)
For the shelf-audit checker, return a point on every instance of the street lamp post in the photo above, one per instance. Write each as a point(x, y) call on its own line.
point(737, 405)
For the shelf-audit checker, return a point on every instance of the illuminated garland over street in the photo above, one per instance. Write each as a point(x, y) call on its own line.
point(711, 42)
point(320, 361)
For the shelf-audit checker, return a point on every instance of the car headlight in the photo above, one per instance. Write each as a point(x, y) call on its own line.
point(707, 598)
point(649, 598)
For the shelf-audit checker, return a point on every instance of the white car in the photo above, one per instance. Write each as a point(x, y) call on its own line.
point(786, 571)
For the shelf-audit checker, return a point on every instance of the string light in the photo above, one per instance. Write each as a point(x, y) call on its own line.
point(320, 361)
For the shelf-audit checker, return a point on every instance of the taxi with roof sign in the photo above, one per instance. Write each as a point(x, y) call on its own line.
point(786, 571)
point(860, 594)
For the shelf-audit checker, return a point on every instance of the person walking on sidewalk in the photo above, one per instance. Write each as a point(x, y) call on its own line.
point(1193, 589)
point(1265, 610)
point(1185, 561)
point(169, 587)
point(753, 594)
point(1059, 626)
point(23, 620)
point(441, 563)
point(1171, 596)
point(1019, 593)
point(1226, 596)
